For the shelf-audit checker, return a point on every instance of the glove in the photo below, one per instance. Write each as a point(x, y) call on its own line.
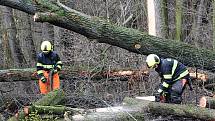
point(157, 97)
point(56, 70)
point(43, 79)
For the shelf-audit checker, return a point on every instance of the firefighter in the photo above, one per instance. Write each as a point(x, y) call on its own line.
point(48, 62)
point(174, 77)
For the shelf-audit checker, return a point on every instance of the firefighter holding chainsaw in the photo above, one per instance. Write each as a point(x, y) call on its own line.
point(48, 66)
point(174, 77)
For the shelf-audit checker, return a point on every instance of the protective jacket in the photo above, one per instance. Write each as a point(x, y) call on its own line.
point(47, 62)
point(170, 71)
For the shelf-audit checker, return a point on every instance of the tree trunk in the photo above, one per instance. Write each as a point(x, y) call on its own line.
point(182, 111)
point(130, 39)
point(25, 35)
point(10, 34)
point(178, 110)
point(164, 17)
point(151, 17)
point(178, 18)
point(138, 108)
point(213, 25)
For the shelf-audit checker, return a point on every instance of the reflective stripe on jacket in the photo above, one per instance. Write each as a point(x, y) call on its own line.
point(47, 62)
point(170, 71)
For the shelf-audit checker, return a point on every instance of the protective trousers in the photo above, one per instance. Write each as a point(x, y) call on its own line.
point(175, 92)
point(46, 87)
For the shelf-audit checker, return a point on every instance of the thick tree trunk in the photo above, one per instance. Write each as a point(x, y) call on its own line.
point(137, 109)
point(30, 74)
point(178, 110)
point(182, 111)
point(129, 39)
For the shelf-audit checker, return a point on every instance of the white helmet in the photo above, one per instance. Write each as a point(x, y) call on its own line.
point(152, 60)
point(46, 46)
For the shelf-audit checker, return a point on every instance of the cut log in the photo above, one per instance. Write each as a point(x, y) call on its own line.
point(52, 98)
point(207, 102)
point(106, 32)
point(58, 110)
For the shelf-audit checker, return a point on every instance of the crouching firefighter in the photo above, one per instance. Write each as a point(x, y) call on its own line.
point(48, 66)
point(174, 78)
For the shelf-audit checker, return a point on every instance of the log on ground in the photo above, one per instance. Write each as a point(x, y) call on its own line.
point(53, 98)
point(137, 109)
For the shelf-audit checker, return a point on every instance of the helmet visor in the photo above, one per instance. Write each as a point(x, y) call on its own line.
point(151, 67)
point(46, 51)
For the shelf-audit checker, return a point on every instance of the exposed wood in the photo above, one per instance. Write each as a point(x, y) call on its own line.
point(29, 74)
point(207, 102)
point(105, 32)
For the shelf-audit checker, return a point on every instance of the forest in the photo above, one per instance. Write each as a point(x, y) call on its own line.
point(103, 45)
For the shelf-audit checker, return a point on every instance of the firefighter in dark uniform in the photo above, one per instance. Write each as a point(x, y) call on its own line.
point(174, 77)
point(47, 61)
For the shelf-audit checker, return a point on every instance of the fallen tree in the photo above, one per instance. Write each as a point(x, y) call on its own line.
point(104, 32)
point(30, 74)
point(131, 109)
point(135, 109)
point(53, 98)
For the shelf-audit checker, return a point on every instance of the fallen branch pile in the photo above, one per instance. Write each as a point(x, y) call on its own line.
point(131, 108)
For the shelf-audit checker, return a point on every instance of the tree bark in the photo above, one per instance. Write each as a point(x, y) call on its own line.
point(213, 25)
point(178, 19)
point(53, 98)
point(182, 111)
point(30, 74)
point(129, 39)
point(164, 18)
point(137, 108)
point(9, 36)
point(178, 110)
